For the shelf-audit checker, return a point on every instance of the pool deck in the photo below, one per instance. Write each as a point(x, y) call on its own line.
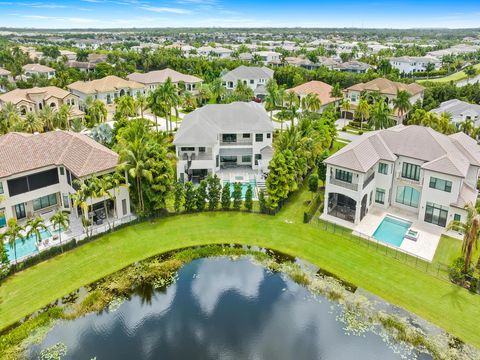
point(428, 234)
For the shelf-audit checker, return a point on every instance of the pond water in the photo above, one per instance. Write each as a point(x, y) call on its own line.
point(218, 308)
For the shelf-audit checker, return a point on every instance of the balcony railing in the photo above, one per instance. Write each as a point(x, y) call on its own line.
point(344, 184)
point(368, 180)
point(237, 142)
point(199, 156)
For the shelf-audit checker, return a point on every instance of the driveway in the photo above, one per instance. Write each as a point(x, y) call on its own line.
point(469, 81)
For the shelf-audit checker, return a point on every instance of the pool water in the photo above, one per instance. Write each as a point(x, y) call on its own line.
point(244, 188)
point(29, 245)
point(392, 231)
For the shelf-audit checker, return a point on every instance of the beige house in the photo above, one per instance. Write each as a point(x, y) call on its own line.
point(106, 89)
point(154, 79)
point(35, 99)
point(386, 88)
point(319, 88)
point(39, 70)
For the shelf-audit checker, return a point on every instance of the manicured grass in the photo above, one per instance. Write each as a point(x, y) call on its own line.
point(440, 302)
point(448, 249)
point(460, 75)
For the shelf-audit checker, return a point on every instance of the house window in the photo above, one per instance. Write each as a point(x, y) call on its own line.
point(457, 217)
point(246, 136)
point(246, 158)
point(187, 149)
point(3, 220)
point(269, 135)
point(343, 175)
point(124, 207)
point(407, 195)
point(440, 184)
point(436, 214)
point(252, 81)
point(217, 161)
point(383, 168)
point(201, 149)
point(258, 137)
point(371, 198)
point(62, 170)
point(380, 196)
point(44, 202)
point(257, 158)
point(1, 187)
point(411, 171)
point(66, 201)
point(229, 138)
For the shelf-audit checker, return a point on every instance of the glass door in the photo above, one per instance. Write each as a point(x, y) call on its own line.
point(20, 211)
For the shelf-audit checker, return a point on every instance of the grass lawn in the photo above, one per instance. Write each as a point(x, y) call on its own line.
point(440, 302)
point(453, 77)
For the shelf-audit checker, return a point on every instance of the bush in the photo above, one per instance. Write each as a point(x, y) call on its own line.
point(360, 132)
point(344, 128)
point(458, 276)
point(313, 183)
point(312, 209)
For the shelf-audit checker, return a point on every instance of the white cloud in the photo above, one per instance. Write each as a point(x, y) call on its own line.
point(171, 10)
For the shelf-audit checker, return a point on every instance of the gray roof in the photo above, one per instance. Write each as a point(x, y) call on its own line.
point(248, 72)
point(202, 126)
point(457, 108)
point(451, 155)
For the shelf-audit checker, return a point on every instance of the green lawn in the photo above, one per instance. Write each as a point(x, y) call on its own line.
point(452, 77)
point(440, 302)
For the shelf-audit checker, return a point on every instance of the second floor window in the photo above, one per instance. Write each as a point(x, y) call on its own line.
point(383, 168)
point(411, 171)
point(258, 137)
point(440, 184)
point(343, 175)
point(1, 187)
point(229, 138)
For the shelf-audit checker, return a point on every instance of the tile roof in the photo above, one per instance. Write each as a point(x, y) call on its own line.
point(160, 76)
point(457, 107)
point(321, 89)
point(440, 153)
point(4, 72)
point(388, 87)
point(37, 68)
point(202, 126)
point(248, 72)
point(17, 95)
point(82, 155)
point(106, 84)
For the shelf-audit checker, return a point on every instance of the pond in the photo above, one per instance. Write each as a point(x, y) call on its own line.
point(219, 308)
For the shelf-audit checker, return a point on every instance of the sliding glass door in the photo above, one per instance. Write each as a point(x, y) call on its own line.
point(436, 214)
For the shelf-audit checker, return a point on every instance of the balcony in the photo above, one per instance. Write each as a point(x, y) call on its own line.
point(368, 180)
point(343, 184)
point(245, 142)
point(193, 156)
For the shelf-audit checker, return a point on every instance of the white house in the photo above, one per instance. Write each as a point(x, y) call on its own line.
point(153, 79)
point(268, 57)
point(39, 70)
point(42, 177)
point(413, 64)
point(106, 89)
point(222, 136)
point(459, 111)
point(255, 77)
point(405, 169)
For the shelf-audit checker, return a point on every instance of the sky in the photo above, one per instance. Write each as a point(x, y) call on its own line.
point(232, 13)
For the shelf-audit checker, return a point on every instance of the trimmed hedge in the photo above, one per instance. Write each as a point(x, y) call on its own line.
point(313, 207)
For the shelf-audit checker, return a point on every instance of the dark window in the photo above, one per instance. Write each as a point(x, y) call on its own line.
point(246, 158)
point(257, 157)
point(436, 214)
point(269, 135)
point(411, 171)
point(1, 187)
point(69, 179)
point(217, 162)
point(258, 137)
point(229, 138)
point(457, 217)
point(383, 168)
point(124, 206)
point(380, 196)
point(440, 184)
point(201, 149)
point(343, 175)
point(42, 179)
point(62, 170)
point(187, 149)
point(17, 186)
point(252, 81)
point(246, 136)
point(44, 202)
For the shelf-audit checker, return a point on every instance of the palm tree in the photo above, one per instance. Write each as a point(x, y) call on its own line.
point(292, 103)
point(35, 226)
point(9, 117)
point(217, 89)
point(125, 107)
point(471, 231)
point(336, 91)
point(402, 103)
point(141, 104)
point(189, 101)
point(417, 117)
point(363, 110)
point(155, 104)
point(32, 123)
point(311, 103)
point(243, 92)
point(104, 186)
point(346, 108)
point(205, 93)
point(116, 179)
point(445, 125)
point(62, 117)
point(80, 201)
point(46, 116)
point(13, 233)
point(380, 117)
point(60, 220)
point(430, 120)
point(95, 111)
point(466, 126)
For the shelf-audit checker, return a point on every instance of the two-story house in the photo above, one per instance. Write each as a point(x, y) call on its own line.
point(407, 169)
point(39, 70)
point(459, 111)
point(320, 89)
point(255, 77)
point(106, 89)
point(37, 98)
point(413, 64)
point(38, 173)
point(221, 136)
point(153, 79)
point(385, 88)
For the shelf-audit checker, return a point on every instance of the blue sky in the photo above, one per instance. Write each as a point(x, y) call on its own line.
point(230, 13)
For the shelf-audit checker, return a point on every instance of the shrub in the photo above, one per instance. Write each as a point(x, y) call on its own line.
point(457, 274)
point(313, 183)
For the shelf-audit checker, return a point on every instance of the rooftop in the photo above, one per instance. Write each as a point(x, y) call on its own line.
point(106, 84)
point(248, 72)
point(160, 76)
point(82, 155)
point(387, 87)
point(457, 107)
point(17, 95)
point(37, 68)
point(321, 89)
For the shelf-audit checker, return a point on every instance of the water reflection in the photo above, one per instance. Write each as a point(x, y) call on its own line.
point(218, 309)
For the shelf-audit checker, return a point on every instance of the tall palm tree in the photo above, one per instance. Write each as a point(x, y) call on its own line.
point(471, 232)
point(35, 226)
point(430, 119)
point(141, 104)
point(104, 186)
point(402, 103)
point(445, 125)
point(417, 117)
point(346, 108)
point(466, 126)
point(156, 107)
point(292, 103)
point(381, 116)
point(79, 198)
point(46, 116)
point(217, 89)
point(32, 123)
point(363, 110)
point(116, 179)
point(336, 91)
point(189, 101)
point(125, 107)
point(13, 233)
point(62, 117)
point(60, 220)
point(9, 117)
point(311, 103)
point(95, 111)
point(243, 92)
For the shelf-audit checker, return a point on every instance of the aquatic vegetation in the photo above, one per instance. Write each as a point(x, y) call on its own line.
point(54, 352)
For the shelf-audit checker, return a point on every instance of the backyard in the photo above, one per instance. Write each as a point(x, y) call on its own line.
point(436, 300)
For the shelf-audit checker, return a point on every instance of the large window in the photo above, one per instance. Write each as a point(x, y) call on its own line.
point(407, 195)
point(246, 158)
point(343, 175)
point(44, 202)
point(229, 138)
point(258, 157)
point(380, 196)
point(258, 137)
point(436, 214)
point(383, 168)
point(440, 184)
point(411, 171)
point(32, 182)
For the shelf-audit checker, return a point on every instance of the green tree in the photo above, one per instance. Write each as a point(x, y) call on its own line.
point(125, 107)
point(32, 123)
point(179, 196)
point(380, 117)
point(321, 166)
point(226, 197)
point(262, 201)
point(214, 191)
point(189, 197)
point(313, 183)
point(336, 91)
point(402, 103)
point(363, 110)
point(237, 196)
point(14, 232)
point(311, 103)
point(279, 180)
point(249, 198)
point(61, 222)
point(35, 227)
point(470, 71)
point(201, 195)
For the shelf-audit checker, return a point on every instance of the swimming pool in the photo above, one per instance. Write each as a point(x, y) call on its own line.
point(28, 246)
point(244, 187)
point(392, 230)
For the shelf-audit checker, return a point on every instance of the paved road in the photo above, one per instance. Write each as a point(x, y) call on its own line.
point(340, 123)
point(470, 81)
